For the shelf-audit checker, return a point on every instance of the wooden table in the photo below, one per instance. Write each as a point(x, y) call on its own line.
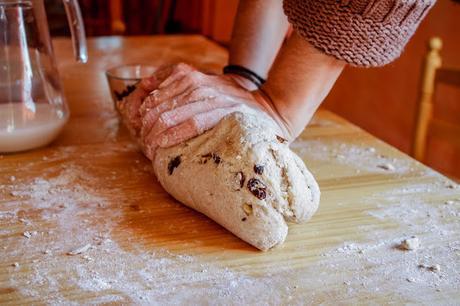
point(92, 194)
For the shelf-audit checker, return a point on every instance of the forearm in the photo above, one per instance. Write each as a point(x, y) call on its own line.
point(259, 30)
point(299, 80)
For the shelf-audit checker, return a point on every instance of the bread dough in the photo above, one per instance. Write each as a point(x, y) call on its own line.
point(243, 176)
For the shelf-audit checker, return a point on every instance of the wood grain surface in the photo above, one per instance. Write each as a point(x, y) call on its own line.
point(83, 221)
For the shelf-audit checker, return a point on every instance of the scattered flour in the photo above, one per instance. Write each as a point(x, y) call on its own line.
point(70, 199)
point(406, 212)
point(60, 191)
point(66, 196)
point(358, 157)
point(80, 250)
point(410, 244)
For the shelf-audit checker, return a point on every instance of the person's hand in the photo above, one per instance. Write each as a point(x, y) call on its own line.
point(189, 102)
point(129, 107)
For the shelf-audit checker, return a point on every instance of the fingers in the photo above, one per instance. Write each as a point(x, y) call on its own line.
point(165, 71)
point(192, 87)
point(141, 91)
point(178, 71)
point(193, 127)
point(149, 149)
point(130, 106)
point(168, 74)
point(179, 103)
point(181, 114)
point(189, 96)
point(167, 93)
point(190, 80)
point(148, 84)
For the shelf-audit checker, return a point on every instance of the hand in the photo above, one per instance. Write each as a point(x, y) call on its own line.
point(129, 107)
point(189, 102)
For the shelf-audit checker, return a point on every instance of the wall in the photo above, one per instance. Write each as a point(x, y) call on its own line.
point(218, 16)
point(383, 100)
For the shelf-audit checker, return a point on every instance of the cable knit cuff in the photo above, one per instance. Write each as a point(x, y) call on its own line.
point(361, 32)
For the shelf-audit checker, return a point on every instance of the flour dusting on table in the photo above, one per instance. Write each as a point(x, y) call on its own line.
point(82, 246)
point(79, 250)
point(381, 257)
point(357, 157)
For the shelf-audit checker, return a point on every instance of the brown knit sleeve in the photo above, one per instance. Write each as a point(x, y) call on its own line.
point(361, 32)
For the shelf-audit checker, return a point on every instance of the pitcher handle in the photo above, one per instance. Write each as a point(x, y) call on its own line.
point(77, 29)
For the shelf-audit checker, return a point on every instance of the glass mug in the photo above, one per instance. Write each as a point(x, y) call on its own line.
point(32, 106)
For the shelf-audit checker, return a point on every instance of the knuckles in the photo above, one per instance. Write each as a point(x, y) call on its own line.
point(199, 92)
point(157, 122)
point(194, 77)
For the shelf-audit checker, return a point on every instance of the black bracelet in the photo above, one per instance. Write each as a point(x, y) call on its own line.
point(245, 73)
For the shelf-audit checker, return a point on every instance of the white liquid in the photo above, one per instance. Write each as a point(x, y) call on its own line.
point(22, 128)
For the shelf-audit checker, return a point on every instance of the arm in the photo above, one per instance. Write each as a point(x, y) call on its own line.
point(259, 30)
point(328, 34)
point(298, 82)
point(188, 103)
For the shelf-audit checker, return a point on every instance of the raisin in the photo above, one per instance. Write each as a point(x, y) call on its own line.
point(216, 158)
point(173, 164)
point(258, 169)
point(257, 188)
point(241, 177)
point(204, 159)
point(281, 139)
point(120, 95)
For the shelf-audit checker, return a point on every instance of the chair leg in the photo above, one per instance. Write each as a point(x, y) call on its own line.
point(117, 24)
point(425, 104)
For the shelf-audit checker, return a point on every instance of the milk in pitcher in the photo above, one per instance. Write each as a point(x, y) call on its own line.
point(23, 128)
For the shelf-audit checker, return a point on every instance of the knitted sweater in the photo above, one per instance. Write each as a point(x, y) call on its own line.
point(361, 32)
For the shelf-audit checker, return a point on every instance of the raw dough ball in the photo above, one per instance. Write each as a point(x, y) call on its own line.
point(243, 176)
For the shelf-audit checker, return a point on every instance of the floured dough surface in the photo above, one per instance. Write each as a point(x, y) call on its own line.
point(243, 176)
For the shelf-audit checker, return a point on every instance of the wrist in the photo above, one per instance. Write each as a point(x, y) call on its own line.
point(246, 74)
point(242, 81)
point(299, 81)
point(269, 106)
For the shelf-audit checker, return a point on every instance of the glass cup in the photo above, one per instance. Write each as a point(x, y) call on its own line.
point(123, 79)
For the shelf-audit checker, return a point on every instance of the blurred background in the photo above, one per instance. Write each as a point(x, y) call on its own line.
point(382, 101)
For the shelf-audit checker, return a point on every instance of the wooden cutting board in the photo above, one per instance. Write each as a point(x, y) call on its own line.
point(84, 221)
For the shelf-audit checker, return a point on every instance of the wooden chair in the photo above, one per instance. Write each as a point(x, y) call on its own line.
point(117, 24)
point(433, 73)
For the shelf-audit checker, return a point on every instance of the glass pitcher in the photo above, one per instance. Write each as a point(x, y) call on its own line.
point(32, 106)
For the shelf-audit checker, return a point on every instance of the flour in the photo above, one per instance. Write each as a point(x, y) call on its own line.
point(66, 196)
point(80, 250)
point(410, 244)
point(70, 199)
point(381, 258)
point(358, 157)
point(30, 234)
